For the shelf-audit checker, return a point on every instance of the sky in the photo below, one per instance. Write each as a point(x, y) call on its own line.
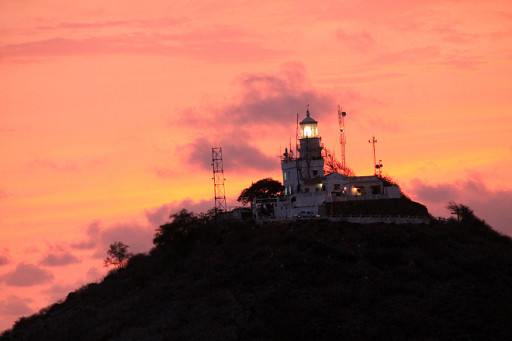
point(109, 111)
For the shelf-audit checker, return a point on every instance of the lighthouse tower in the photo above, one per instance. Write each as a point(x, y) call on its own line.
point(304, 173)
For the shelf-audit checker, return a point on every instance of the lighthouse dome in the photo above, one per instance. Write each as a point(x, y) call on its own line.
point(308, 119)
point(308, 127)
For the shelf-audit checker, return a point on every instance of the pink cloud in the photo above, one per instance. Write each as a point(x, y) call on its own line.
point(14, 305)
point(415, 55)
point(360, 41)
point(31, 249)
point(92, 232)
point(219, 44)
point(155, 23)
point(62, 166)
point(139, 238)
point(430, 55)
point(59, 166)
point(462, 60)
point(491, 205)
point(27, 275)
point(452, 35)
point(59, 259)
point(164, 173)
point(98, 238)
point(58, 292)
point(160, 215)
point(94, 275)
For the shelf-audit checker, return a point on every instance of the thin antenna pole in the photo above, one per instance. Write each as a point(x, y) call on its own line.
point(297, 136)
point(373, 141)
point(343, 141)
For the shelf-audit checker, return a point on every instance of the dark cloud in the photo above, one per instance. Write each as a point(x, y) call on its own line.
point(491, 205)
point(237, 155)
point(59, 259)
point(264, 103)
point(27, 275)
point(267, 100)
point(264, 100)
point(4, 260)
point(15, 306)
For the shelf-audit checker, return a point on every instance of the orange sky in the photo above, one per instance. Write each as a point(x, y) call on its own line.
point(109, 110)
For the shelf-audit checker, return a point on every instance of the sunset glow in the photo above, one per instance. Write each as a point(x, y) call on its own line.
point(109, 111)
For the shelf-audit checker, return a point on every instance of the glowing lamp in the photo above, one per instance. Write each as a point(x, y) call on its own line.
point(308, 127)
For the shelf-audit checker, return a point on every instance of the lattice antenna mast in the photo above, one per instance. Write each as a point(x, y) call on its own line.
point(218, 180)
point(343, 140)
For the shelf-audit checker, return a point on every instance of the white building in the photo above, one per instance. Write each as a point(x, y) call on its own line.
point(308, 191)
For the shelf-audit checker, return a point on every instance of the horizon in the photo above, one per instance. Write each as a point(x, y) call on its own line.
point(109, 113)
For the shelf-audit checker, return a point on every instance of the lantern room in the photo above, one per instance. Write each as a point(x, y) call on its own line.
point(308, 127)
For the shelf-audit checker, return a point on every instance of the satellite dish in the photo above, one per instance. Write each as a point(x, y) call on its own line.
point(343, 114)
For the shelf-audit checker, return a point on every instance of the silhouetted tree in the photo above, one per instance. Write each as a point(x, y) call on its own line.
point(181, 224)
point(463, 212)
point(332, 165)
point(263, 188)
point(118, 255)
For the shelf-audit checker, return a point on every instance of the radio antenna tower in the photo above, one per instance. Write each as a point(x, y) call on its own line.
point(218, 180)
point(378, 166)
point(343, 141)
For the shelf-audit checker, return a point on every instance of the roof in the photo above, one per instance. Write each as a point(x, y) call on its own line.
point(308, 119)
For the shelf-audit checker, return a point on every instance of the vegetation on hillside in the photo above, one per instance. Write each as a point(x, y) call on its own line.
point(263, 188)
point(208, 279)
point(117, 255)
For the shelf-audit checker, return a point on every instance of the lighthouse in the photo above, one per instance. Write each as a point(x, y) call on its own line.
point(303, 173)
point(310, 193)
point(310, 151)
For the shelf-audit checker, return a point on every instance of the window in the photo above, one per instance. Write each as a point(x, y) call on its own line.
point(315, 173)
point(358, 191)
point(337, 187)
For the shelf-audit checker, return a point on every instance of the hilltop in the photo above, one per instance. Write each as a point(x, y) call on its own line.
point(311, 279)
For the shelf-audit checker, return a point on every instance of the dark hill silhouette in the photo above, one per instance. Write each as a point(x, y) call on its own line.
point(311, 280)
